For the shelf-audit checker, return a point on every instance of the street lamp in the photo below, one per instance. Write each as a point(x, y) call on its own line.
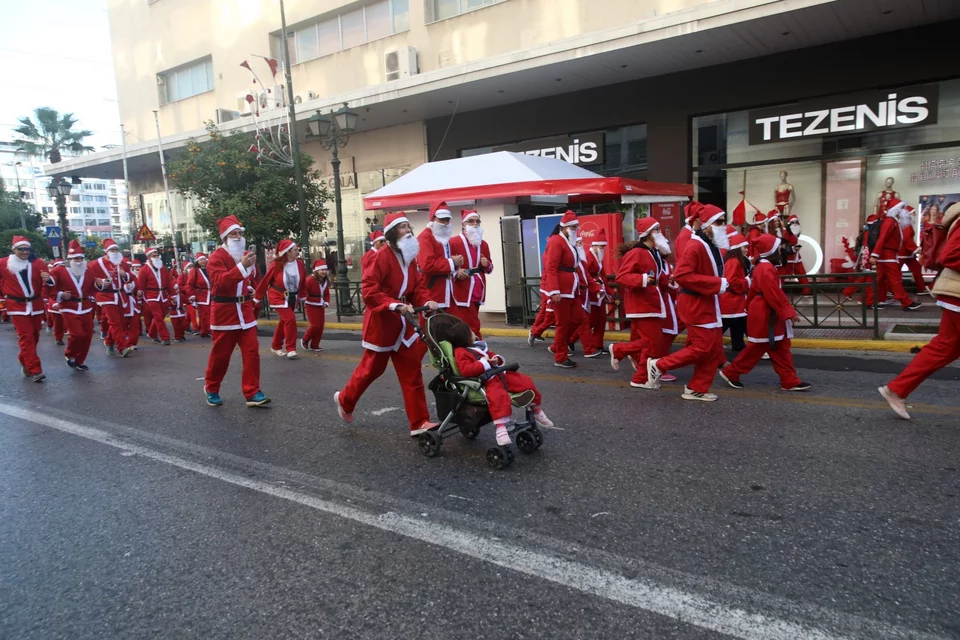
point(58, 190)
point(332, 134)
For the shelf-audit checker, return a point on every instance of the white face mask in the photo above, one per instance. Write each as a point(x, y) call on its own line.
point(409, 247)
point(661, 243)
point(115, 257)
point(720, 239)
point(78, 268)
point(441, 232)
point(474, 235)
point(156, 262)
point(236, 247)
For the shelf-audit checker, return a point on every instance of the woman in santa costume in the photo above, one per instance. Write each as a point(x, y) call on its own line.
point(54, 319)
point(71, 289)
point(21, 284)
point(733, 301)
point(757, 228)
point(560, 282)
point(700, 276)
point(284, 286)
point(192, 323)
point(178, 307)
point(884, 254)
point(376, 242)
point(438, 266)
point(391, 288)
point(470, 292)
point(198, 292)
point(945, 346)
point(232, 319)
point(156, 284)
point(317, 292)
point(112, 286)
point(769, 322)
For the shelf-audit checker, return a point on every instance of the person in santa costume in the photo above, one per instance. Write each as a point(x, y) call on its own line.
point(733, 301)
point(699, 273)
point(284, 286)
point(71, 290)
point(793, 265)
point(544, 318)
point(691, 224)
point(769, 322)
point(391, 289)
point(898, 216)
point(671, 326)
point(232, 320)
point(192, 322)
point(178, 305)
point(135, 322)
point(945, 346)
point(560, 282)
point(470, 292)
point(757, 228)
point(21, 284)
point(583, 297)
point(438, 267)
point(54, 319)
point(156, 284)
point(112, 287)
point(198, 293)
point(593, 328)
point(317, 292)
point(641, 278)
point(376, 242)
point(907, 256)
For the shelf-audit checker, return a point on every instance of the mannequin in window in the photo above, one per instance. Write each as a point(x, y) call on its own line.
point(885, 196)
point(784, 196)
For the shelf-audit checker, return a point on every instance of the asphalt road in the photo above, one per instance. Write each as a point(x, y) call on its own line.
point(128, 508)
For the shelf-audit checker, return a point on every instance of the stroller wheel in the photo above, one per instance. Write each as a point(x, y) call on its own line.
point(526, 441)
point(537, 435)
point(499, 457)
point(469, 432)
point(429, 443)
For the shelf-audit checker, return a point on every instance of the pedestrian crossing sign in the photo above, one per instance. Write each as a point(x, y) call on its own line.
point(146, 235)
point(53, 232)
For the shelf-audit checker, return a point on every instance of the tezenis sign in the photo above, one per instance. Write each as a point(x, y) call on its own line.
point(867, 111)
point(585, 150)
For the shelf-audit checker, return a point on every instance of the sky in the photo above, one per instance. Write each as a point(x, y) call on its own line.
point(56, 53)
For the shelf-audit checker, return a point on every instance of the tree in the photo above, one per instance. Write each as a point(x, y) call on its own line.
point(224, 176)
point(51, 134)
point(11, 205)
point(38, 241)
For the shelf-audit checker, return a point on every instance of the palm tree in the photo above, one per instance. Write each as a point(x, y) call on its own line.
point(50, 134)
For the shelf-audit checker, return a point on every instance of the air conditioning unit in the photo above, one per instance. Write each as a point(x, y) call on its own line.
point(312, 95)
point(226, 115)
point(400, 63)
point(244, 104)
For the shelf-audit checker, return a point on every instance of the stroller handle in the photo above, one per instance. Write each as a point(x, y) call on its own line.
point(421, 309)
point(513, 366)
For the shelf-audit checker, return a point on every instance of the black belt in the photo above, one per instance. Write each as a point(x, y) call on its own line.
point(151, 289)
point(24, 300)
point(315, 298)
point(230, 299)
point(568, 269)
point(689, 292)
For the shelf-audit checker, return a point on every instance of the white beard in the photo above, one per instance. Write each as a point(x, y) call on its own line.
point(156, 262)
point(474, 235)
point(795, 229)
point(441, 232)
point(115, 257)
point(581, 254)
point(662, 244)
point(409, 248)
point(15, 265)
point(720, 239)
point(236, 247)
point(598, 254)
point(78, 268)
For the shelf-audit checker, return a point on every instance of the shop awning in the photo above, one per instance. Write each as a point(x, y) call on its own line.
point(503, 175)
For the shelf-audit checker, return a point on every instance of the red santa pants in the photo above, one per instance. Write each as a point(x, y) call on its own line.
point(646, 340)
point(135, 328)
point(157, 326)
point(286, 330)
point(914, 266)
point(192, 322)
point(203, 317)
point(890, 278)
point(80, 328)
point(57, 326)
point(179, 326)
point(545, 318)
point(942, 350)
point(317, 317)
point(667, 343)
point(116, 328)
point(498, 395)
point(407, 362)
point(704, 350)
point(469, 314)
point(781, 358)
point(224, 343)
point(568, 314)
point(592, 329)
point(28, 333)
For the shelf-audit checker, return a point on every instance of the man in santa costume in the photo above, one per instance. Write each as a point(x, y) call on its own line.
point(907, 256)
point(438, 267)
point(156, 284)
point(21, 284)
point(593, 327)
point(391, 289)
point(232, 319)
point(376, 242)
point(71, 290)
point(112, 287)
point(560, 282)
point(470, 292)
point(54, 319)
point(769, 322)
point(945, 346)
point(884, 254)
point(192, 323)
point(198, 293)
point(691, 225)
point(699, 273)
point(317, 292)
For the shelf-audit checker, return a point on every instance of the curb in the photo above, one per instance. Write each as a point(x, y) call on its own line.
point(883, 346)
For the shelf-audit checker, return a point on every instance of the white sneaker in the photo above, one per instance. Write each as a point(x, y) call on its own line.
point(530, 338)
point(346, 417)
point(503, 436)
point(614, 362)
point(896, 402)
point(644, 385)
point(690, 394)
point(542, 420)
point(653, 373)
point(279, 352)
point(292, 355)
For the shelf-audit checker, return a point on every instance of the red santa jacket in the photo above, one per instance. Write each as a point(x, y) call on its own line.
point(596, 289)
point(889, 240)
point(752, 235)
point(669, 292)
point(274, 285)
point(62, 282)
point(472, 361)
point(317, 294)
point(474, 288)
point(156, 284)
point(733, 301)
point(117, 289)
point(560, 264)
point(231, 306)
point(766, 299)
point(24, 296)
point(949, 257)
point(198, 286)
point(908, 248)
point(700, 276)
point(639, 279)
point(365, 260)
point(790, 239)
point(436, 267)
point(681, 242)
point(388, 283)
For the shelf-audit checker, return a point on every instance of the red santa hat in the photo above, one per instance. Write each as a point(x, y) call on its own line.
point(758, 219)
point(709, 214)
point(20, 241)
point(393, 219)
point(57, 263)
point(894, 207)
point(645, 226)
point(468, 214)
point(199, 257)
point(793, 218)
point(569, 219)
point(737, 240)
point(691, 211)
point(320, 265)
point(150, 250)
point(731, 230)
point(600, 239)
point(284, 246)
point(773, 213)
point(108, 244)
point(74, 250)
point(441, 211)
point(376, 235)
point(136, 263)
point(226, 225)
point(185, 265)
point(767, 244)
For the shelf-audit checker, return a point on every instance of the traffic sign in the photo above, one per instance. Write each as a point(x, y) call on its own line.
point(146, 235)
point(91, 244)
point(53, 232)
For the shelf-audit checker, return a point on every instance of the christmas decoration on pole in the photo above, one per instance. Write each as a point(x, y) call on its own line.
point(272, 141)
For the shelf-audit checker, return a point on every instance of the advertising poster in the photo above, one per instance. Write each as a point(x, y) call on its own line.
point(669, 216)
point(545, 225)
point(842, 205)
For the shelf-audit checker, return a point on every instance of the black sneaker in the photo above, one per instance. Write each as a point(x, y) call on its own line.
point(82, 367)
point(566, 364)
point(736, 384)
point(59, 343)
point(165, 343)
point(595, 354)
point(39, 377)
point(180, 340)
point(156, 340)
point(913, 307)
point(803, 386)
point(72, 363)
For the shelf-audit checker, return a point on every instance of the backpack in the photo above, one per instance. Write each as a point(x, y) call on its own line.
point(933, 240)
point(872, 230)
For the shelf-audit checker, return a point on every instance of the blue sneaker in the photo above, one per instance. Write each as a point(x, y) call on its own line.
point(258, 400)
point(213, 399)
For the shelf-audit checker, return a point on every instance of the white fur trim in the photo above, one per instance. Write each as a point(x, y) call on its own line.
point(399, 220)
point(227, 232)
point(284, 252)
point(471, 216)
point(22, 243)
point(443, 213)
point(776, 245)
point(715, 217)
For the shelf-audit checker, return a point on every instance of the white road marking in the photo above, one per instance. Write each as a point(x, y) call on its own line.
point(380, 412)
point(686, 607)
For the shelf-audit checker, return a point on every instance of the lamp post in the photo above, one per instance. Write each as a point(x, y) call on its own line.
point(16, 168)
point(333, 134)
point(58, 190)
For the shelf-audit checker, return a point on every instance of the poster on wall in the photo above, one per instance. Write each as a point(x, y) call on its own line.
point(932, 207)
point(842, 203)
point(669, 216)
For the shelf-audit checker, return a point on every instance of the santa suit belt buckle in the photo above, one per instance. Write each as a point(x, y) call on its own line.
point(230, 299)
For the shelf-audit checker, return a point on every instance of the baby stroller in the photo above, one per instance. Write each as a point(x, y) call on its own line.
point(462, 403)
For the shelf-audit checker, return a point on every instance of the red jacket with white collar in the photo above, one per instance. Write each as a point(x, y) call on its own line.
point(388, 283)
point(121, 282)
point(889, 240)
point(198, 286)
point(156, 284)
point(317, 294)
point(23, 298)
point(700, 276)
point(436, 267)
point(81, 291)
point(274, 285)
point(472, 361)
point(733, 301)
point(474, 288)
point(640, 278)
point(765, 298)
point(560, 264)
point(229, 279)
